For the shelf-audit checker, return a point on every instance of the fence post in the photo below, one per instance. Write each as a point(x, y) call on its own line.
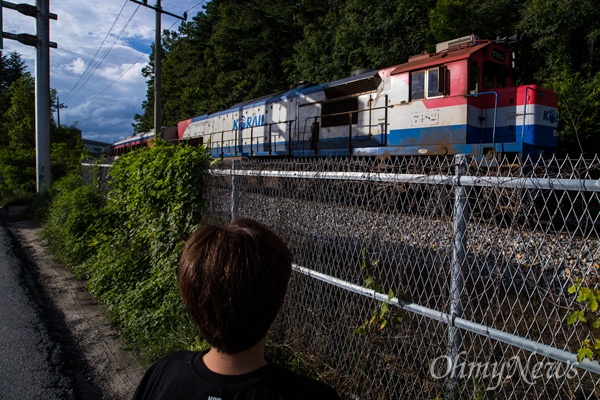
point(459, 241)
point(235, 190)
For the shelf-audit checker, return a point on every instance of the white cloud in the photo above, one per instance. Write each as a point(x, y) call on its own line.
point(82, 26)
point(77, 66)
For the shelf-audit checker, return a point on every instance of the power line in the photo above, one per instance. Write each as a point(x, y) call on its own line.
point(123, 74)
point(197, 4)
point(105, 54)
point(157, 60)
point(142, 56)
point(97, 51)
point(127, 70)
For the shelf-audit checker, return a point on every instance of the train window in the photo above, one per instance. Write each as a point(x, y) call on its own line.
point(488, 76)
point(427, 84)
point(501, 81)
point(473, 78)
point(433, 83)
point(436, 82)
point(417, 85)
point(495, 76)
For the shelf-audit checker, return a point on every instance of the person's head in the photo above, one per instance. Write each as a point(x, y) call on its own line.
point(233, 280)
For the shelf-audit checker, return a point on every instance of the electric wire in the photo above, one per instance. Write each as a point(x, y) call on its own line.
point(197, 4)
point(136, 61)
point(123, 74)
point(97, 51)
point(127, 70)
point(106, 53)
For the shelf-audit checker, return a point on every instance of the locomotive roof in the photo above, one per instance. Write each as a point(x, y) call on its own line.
point(452, 54)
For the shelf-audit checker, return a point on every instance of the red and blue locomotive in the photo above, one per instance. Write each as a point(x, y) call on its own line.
point(459, 100)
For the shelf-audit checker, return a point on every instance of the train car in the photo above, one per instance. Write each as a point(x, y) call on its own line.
point(139, 140)
point(131, 143)
point(459, 100)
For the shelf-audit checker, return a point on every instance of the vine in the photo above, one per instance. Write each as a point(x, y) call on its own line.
point(588, 315)
point(381, 315)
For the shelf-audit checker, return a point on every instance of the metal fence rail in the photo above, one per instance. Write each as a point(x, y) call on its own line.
point(430, 278)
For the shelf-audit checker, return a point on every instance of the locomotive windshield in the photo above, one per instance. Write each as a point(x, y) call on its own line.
point(495, 75)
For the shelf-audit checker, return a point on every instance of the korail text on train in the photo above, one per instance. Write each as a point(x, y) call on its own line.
point(462, 99)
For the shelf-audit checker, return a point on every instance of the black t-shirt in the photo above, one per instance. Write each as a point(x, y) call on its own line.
point(183, 375)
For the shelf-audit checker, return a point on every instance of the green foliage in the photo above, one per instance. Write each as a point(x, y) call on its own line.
point(450, 19)
point(153, 206)
point(17, 175)
point(338, 39)
point(563, 36)
point(19, 119)
point(128, 246)
point(75, 213)
point(12, 67)
point(66, 151)
point(382, 315)
point(588, 315)
point(17, 137)
point(579, 108)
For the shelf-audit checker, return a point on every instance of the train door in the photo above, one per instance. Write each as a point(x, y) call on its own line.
point(250, 128)
point(309, 127)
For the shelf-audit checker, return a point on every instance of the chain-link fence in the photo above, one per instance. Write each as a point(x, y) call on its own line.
point(96, 172)
point(431, 277)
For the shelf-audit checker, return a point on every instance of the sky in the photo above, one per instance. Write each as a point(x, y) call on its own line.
point(96, 69)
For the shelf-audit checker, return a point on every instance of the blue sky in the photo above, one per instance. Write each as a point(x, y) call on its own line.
point(102, 104)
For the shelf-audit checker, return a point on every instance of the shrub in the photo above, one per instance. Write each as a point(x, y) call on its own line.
point(154, 205)
point(17, 176)
point(73, 217)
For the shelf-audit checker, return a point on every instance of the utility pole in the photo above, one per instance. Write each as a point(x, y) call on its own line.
point(59, 105)
point(158, 62)
point(42, 80)
point(42, 93)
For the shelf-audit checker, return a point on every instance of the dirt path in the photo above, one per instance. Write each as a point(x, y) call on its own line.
point(116, 369)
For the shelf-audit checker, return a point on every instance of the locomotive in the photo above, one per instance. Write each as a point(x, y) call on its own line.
point(459, 100)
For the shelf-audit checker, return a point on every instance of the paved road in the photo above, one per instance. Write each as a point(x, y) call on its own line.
point(38, 359)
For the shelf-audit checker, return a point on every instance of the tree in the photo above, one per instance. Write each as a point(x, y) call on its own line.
point(392, 32)
point(235, 50)
point(11, 69)
point(186, 80)
point(488, 19)
point(564, 36)
point(17, 146)
point(251, 48)
point(66, 149)
point(19, 119)
point(17, 174)
point(187, 77)
point(17, 125)
point(313, 53)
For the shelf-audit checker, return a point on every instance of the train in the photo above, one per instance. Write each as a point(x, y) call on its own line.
point(143, 139)
point(461, 99)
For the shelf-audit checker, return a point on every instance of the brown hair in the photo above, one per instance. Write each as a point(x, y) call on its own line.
point(233, 280)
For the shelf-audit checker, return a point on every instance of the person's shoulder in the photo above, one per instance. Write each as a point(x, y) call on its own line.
point(172, 362)
point(176, 357)
point(171, 377)
point(302, 386)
